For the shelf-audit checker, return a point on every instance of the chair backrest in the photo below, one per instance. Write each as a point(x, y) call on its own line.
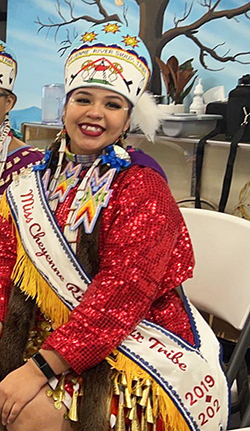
point(221, 282)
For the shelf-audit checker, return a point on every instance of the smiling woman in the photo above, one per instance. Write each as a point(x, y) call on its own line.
point(94, 118)
point(95, 330)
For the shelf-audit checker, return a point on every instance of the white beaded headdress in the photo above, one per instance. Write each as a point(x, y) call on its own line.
point(112, 56)
point(8, 67)
point(8, 72)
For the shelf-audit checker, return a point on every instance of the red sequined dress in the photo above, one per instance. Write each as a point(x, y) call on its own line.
point(145, 252)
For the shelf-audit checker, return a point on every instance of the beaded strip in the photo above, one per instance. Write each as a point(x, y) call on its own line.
point(83, 159)
point(71, 235)
point(115, 157)
point(5, 139)
point(54, 180)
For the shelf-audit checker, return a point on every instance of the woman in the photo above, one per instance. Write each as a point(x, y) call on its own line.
point(111, 344)
point(14, 154)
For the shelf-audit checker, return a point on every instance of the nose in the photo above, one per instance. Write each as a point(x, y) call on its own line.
point(95, 111)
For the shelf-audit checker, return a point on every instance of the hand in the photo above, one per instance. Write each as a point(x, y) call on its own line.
point(18, 389)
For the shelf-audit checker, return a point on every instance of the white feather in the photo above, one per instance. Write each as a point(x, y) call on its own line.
point(146, 116)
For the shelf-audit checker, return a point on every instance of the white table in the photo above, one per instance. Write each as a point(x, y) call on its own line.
point(176, 156)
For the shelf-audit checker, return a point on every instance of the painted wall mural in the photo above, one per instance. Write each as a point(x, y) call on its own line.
point(215, 33)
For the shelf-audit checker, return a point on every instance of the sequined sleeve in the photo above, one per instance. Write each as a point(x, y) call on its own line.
point(140, 230)
point(7, 261)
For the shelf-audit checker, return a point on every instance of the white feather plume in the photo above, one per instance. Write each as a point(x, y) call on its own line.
point(146, 116)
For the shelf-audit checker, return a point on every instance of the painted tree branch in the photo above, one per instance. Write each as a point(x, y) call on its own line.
point(210, 15)
point(102, 11)
point(152, 13)
point(66, 43)
point(90, 3)
point(204, 50)
point(57, 25)
point(209, 3)
point(186, 14)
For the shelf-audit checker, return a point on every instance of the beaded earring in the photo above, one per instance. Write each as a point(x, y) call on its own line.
point(5, 139)
point(4, 130)
point(61, 151)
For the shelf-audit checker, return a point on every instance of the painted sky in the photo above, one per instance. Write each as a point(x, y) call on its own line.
point(40, 63)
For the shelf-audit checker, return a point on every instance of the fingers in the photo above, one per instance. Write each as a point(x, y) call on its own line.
point(14, 412)
point(10, 411)
point(5, 411)
point(15, 394)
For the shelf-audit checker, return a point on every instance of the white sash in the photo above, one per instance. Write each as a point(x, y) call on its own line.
point(191, 375)
point(43, 240)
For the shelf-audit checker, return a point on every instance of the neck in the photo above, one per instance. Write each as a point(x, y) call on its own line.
point(83, 159)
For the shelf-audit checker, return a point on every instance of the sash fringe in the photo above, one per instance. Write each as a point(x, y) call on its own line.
point(29, 280)
point(172, 418)
point(4, 208)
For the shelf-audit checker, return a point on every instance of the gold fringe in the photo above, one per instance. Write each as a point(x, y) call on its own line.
point(144, 424)
point(162, 403)
point(120, 421)
point(4, 208)
point(29, 280)
point(72, 414)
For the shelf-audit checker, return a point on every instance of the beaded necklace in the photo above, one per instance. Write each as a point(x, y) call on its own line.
point(113, 156)
point(83, 159)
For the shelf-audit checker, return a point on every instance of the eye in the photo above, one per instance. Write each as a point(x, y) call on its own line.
point(82, 100)
point(113, 105)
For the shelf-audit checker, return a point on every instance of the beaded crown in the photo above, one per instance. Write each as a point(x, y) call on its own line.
point(109, 56)
point(8, 67)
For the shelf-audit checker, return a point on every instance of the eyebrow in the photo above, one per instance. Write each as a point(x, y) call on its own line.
point(106, 97)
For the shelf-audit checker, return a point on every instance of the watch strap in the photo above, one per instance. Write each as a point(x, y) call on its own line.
point(43, 365)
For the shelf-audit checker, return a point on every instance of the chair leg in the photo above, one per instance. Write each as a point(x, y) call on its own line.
point(243, 389)
point(246, 418)
point(238, 352)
